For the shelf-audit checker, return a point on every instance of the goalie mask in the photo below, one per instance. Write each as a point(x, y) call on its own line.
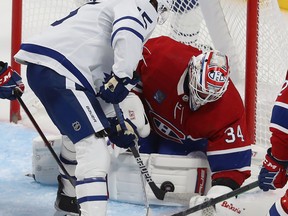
point(208, 78)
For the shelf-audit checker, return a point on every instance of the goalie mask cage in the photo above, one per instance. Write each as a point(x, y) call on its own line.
point(252, 33)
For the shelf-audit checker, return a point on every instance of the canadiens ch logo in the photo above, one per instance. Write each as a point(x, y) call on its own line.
point(76, 126)
point(166, 129)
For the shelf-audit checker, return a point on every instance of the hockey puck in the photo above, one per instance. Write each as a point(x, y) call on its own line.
point(167, 186)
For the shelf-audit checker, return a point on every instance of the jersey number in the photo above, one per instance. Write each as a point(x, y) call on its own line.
point(146, 17)
point(72, 13)
point(230, 132)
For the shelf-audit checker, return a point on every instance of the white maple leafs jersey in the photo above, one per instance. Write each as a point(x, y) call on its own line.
point(95, 39)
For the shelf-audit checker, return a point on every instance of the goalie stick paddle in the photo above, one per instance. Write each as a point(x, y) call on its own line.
point(181, 198)
point(47, 143)
point(218, 199)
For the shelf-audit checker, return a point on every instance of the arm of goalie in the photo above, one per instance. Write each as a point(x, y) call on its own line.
point(133, 110)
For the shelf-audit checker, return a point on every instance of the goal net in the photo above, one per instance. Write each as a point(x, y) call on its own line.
point(258, 70)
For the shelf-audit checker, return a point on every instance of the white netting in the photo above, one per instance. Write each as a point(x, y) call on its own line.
point(228, 34)
point(226, 21)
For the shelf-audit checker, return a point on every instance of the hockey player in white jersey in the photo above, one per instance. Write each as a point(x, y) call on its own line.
point(78, 68)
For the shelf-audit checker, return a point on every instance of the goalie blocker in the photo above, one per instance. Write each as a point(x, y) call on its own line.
point(181, 174)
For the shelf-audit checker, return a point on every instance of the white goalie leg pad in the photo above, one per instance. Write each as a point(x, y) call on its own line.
point(221, 208)
point(68, 159)
point(44, 167)
point(183, 173)
point(93, 164)
point(124, 178)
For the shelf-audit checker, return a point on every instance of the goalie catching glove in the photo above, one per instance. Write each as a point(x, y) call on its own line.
point(273, 173)
point(123, 138)
point(10, 80)
point(225, 208)
point(115, 89)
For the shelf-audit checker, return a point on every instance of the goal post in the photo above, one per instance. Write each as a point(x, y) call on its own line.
point(252, 33)
point(251, 66)
point(16, 35)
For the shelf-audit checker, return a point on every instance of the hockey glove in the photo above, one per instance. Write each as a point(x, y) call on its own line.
point(115, 89)
point(123, 139)
point(273, 173)
point(226, 207)
point(10, 80)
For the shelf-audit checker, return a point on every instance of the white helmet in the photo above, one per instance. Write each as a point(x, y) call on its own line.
point(208, 78)
point(163, 10)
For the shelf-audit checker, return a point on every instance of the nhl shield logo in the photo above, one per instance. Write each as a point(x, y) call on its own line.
point(76, 125)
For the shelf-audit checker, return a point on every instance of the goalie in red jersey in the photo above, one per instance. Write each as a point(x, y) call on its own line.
point(192, 105)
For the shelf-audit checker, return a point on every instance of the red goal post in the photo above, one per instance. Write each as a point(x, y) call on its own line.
point(253, 33)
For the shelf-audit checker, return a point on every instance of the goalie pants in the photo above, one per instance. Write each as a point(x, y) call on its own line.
point(77, 114)
point(157, 144)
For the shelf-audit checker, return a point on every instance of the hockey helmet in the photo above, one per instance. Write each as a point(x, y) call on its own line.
point(208, 78)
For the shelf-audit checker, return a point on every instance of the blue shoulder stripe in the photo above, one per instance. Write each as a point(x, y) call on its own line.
point(140, 36)
point(41, 50)
point(129, 17)
point(280, 116)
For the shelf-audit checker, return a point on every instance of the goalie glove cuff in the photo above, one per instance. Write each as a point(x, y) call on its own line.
point(284, 164)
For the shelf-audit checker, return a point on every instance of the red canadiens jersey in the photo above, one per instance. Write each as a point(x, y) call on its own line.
point(222, 123)
point(279, 124)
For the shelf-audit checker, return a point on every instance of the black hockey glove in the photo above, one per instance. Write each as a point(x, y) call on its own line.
point(123, 139)
point(115, 89)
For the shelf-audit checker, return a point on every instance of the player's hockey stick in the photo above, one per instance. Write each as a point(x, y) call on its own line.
point(181, 198)
point(218, 199)
point(124, 128)
point(47, 143)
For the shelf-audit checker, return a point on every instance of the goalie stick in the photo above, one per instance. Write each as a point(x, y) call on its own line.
point(180, 198)
point(47, 143)
point(218, 199)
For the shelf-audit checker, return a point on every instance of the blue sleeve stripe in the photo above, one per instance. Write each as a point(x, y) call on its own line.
point(280, 116)
point(127, 29)
point(230, 161)
point(37, 49)
point(129, 17)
